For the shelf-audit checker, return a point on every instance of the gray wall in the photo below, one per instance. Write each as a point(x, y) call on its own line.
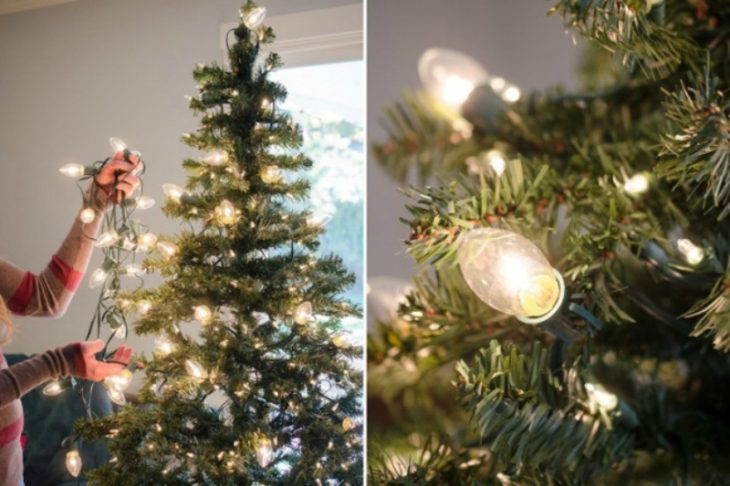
point(513, 39)
point(70, 77)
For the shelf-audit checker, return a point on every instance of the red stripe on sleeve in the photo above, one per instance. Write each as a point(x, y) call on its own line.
point(79, 361)
point(69, 277)
point(21, 298)
point(11, 432)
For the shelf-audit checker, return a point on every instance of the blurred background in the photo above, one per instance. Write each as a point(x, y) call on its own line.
point(75, 72)
point(515, 40)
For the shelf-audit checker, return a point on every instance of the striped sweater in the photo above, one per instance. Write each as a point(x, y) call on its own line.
point(45, 294)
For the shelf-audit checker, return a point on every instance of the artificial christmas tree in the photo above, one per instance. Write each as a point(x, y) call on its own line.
point(574, 258)
point(251, 382)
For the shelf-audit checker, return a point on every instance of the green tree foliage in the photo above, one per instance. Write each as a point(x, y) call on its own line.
point(534, 410)
point(252, 393)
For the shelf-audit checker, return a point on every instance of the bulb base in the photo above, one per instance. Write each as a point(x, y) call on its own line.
point(556, 307)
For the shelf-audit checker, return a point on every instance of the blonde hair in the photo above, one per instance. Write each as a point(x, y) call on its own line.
point(5, 322)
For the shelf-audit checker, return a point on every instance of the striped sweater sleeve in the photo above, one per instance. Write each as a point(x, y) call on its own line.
point(49, 292)
point(23, 377)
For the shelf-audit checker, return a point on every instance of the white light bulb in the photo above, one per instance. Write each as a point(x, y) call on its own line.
point(121, 332)
point(226, 213)
point(498, 84)
point(339, 340)
point(692, 253)
point(146, 241)
point(173, 191)
point(264, 451)
point(319, 218)
point(348, 424)
point(116, 396)
point(106, 239)
point(265, 104)
point(508, 272)
point(133, 270)
point(496, 161)
point(303, 313)
point(254, 17)
point(145, 202)
point(87, 215)
point(450, 75)
point(118, 382)
point(163, 345)
point(599, 396)
point(216, 157)
point(167, 248)
point(195, 370)
point(203, 314)
point(117, 144)
point(72, 170)
point(73, 463)
point(144, 306)
point(637, 184)
point(53, 389)
point(455, 90)
point(511, 94)
point(98, 277)
point(270, 174)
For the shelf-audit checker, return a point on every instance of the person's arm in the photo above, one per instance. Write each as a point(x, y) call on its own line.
point(76, 359)
point(49, 293)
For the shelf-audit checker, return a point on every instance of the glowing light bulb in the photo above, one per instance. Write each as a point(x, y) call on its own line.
point(216, 157)
point(53, 388)
point(496, 161)
point(87, 215)
point(319, 218)
point(599, 396)
point(455, 90)
point(226, 213)
point(303, 313)
point(133, 270)
point(118, 382)
point(98, 277)
point(498, 84)
point(508, 272)
point(146, 241)
point(254, 17)
point(348, 424)
point(195, 370)
point(270, 174)
point(173, 192)
point(511, 94)
point(264, 451)
point(73, 463)
point(339, 340)
point(450, 75)
point(72, 170)
point(145, 202)
point(638, 184)
point(265, 104)
point(117, 396)
point(167, 248)
point(117, 144)
point(144, 306)
point(203, 314)
point(121, 332)
point(692, 253)
point(106, 239)
point(163, 345)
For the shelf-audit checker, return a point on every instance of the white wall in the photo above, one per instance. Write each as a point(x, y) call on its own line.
point(70, 77)
point(513, 39)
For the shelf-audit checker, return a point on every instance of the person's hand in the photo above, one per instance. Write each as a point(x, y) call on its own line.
point(87, 366)
point(125, 173)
